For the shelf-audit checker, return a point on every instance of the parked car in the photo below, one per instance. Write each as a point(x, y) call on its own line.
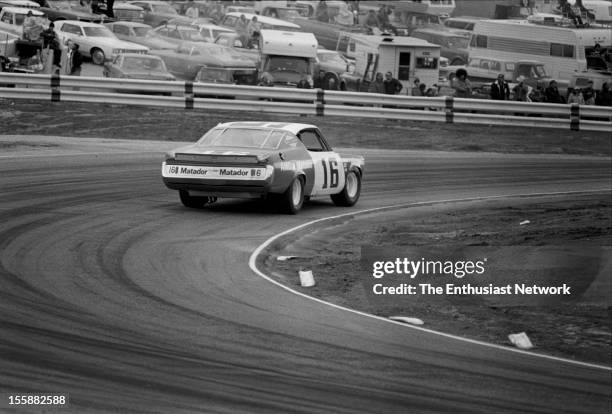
point(185, 61)
point(231, 20)
point(334, 64)
point(454, 45)
point(210, 31)
point(137, 66)
point(139, 33)
point(95, 40)
point(235, 41)
point(283, 161)
point(12, 19)
point(128, 12)
point(156, 12)
point(178, 34)
point(26, 4)
point(69, 10)
point(228, 75)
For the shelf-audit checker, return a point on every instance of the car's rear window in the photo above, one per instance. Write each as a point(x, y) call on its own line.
point(242, 137)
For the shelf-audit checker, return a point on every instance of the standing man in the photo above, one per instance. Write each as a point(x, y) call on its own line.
point(500, 91)
point(392, 85)
point(192, 11)
point(461, 84)
point(521, 91)
point(76, 60)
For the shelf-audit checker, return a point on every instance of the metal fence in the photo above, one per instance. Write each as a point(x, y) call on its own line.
point(193, 96)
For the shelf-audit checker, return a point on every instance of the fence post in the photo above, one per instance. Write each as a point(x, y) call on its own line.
point(449, 109)
point(55, 87)
point(575, 117)
point(188, 95)
point(320, 103)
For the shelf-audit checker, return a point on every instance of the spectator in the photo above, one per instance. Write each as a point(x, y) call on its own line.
point(76, 60)
point(604, 97)
point(588, 94)
point(537, 94)
point(192, 11)
point(520, 90)
point(371, 20)
point(48, 34)
point(552, 95)
point(416, 91)
point(383, 20)
point(433, 91)
point(322, 14)
point(422, 89)
point(253, 28)
point(319, 81)
point(242, 30)
point(500, 91)
point(575, 97)
point(461, 84)
point(596, 51)
point(392, 85)
point(378, 86)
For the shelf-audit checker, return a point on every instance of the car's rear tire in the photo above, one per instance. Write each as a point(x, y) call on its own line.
point(97, 56)
point(192, 201)
point(293, 198)
point(351, 191)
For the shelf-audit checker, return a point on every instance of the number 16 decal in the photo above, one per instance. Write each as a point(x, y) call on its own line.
point(333, 173)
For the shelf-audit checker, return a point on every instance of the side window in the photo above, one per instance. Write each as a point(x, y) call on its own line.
point(122, 30)
point(496, 66)
point(7, 18)
point(223, 41)
point(481, 41)
point(311, 141)
point(237, 43)
point(291, 141)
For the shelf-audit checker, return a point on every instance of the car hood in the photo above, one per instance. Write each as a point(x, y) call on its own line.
point(115, 43)
point(154, 43)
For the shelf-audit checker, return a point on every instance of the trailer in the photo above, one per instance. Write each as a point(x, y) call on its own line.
point(407, 58)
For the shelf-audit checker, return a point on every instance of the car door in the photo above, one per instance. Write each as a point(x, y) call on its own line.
point(329, 176)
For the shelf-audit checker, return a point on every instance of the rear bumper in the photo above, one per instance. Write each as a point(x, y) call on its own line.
point(219, 188)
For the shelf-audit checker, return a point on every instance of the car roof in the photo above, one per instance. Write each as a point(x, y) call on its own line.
point(22, 10)
point(292, 127)
point(78, 23)
point(127, 23)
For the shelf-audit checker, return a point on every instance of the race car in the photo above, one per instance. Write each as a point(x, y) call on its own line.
point(289, 162)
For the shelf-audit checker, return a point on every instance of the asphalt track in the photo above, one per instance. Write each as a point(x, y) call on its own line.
point(114, 293)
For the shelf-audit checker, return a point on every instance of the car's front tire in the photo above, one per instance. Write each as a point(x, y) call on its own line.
point(192, 201)
point(97, 56)
point(293, 198)
point(351, 191)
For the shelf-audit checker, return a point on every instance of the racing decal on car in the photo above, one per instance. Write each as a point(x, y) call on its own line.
point(225, 173)
point(329, 174)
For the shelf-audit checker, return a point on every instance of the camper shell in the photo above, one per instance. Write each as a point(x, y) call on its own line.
point(406, 58)
point(287, 58)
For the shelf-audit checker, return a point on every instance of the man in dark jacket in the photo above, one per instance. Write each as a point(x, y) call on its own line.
point(76, 60)
point(392, 85)
point(552, 94)
point(500, 91)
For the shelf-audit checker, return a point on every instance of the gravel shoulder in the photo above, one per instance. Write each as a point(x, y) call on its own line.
point(22, 117)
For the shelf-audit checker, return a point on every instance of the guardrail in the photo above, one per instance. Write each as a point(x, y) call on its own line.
point(189, 95)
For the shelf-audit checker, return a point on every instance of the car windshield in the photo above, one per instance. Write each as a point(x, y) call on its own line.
point(214, 75)
point(540, 71)
point(457, 42)
point(141, 31)
point(331, 58)
point(163, 8)
point(192, 35)
point(288, 64)
point(239, 137)
point(98, 32)
point(138, 64)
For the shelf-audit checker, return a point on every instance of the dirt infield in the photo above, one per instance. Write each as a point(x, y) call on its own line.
point(579, 328)
point(132, 122)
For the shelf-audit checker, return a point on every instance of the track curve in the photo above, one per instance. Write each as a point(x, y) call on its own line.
point(114, 293)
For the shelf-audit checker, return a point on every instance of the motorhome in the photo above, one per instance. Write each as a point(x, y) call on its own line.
point(287, 59)
point(562, 50)
point(407, 58)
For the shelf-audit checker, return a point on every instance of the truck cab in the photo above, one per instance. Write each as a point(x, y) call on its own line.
point(288, 59)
